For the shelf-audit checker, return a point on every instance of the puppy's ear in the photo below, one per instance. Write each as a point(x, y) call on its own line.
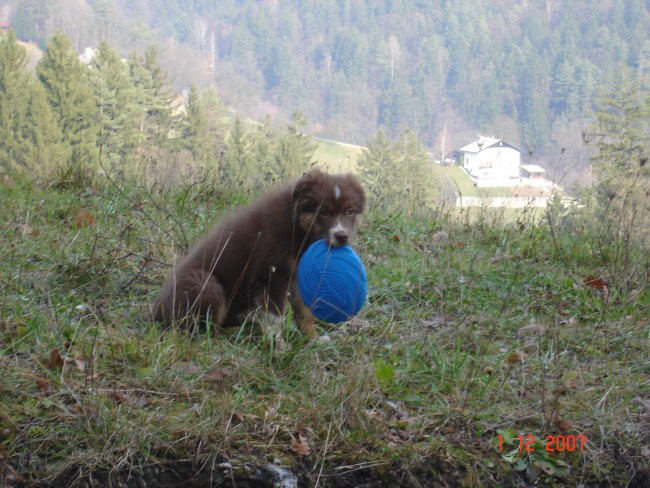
point(308, 181)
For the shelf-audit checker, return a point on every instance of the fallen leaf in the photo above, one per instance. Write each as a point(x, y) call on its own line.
point(300, 445)
point(240, 418)
point(216, 375)
point(83, 219)
point(395, 436)
point(596, 283)
point(117, 396)
point(26, 230)
point(396, 238)
point(56, 361)
point(516, 357)
point(42, 385)
point(562, 424)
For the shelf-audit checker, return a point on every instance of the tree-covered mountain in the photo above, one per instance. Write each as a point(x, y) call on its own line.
point(528, 71)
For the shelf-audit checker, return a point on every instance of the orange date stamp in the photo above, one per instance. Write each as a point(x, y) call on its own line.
point(552, 443)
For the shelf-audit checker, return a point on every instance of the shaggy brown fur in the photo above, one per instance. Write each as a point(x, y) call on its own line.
point(247, 262)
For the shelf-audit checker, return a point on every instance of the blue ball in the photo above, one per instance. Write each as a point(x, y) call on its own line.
point(332, 282)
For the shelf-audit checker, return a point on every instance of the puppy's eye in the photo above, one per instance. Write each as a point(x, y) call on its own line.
point(323, 213)
point(350, 212)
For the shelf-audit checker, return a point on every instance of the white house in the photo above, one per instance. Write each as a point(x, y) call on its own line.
point(490, 158)
point(87, 56)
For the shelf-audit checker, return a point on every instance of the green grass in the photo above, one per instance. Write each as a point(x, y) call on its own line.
point(34, 54)
point(461, 182)
point(338, 158)
point(491, 332)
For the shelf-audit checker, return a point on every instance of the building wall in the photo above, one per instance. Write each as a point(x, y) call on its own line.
point(493, 162)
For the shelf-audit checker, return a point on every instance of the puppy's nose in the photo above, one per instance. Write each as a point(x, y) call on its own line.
point(341, 237)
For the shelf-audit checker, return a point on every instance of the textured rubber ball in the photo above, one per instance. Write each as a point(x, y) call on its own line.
point(332, 282)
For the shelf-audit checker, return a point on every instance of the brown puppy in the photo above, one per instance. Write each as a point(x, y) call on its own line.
point(247, 262)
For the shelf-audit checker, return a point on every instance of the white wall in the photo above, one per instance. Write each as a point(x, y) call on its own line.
point(493, 162)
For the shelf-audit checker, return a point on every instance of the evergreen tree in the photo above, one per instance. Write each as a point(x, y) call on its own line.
point(294, 150)
point(413, 169)
point(30, 136)
point(45, 147)
point(117, 109)
point(622, 134)
point(376, 166)
point(203, 127)
point(70, 95)
point(13, 100)
point(154, 101)
point(565, 89)
point(622, 137)
point(396, 174)
point(263, 145)
point(238, 170)
point(194, 128)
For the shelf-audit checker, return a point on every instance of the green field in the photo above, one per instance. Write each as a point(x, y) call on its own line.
point(336, 157)
point(460, 181)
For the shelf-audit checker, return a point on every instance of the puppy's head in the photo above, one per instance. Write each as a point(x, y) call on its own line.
point(328, 206)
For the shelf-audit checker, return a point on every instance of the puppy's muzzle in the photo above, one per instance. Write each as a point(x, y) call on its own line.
point(338, 235)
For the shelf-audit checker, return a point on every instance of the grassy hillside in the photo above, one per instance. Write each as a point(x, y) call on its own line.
point(473, 334)
point(337, 157)
point(34, 54)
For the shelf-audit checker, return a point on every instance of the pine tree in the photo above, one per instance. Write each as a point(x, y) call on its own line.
point(622, 137)
point(621, 133)
point(294, 150)
point(153, 96)
point(13, 100)
point(30, 136)
point(237, 170)
point(203, 127)
point(376, 166)
point(116, 106)
point(565, 88)
point(46, 150)
point(70, 95)
point(263, 148)
point(396, 174)
point(413, 168)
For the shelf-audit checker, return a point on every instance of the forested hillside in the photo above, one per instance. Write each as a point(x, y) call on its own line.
point(528, 71)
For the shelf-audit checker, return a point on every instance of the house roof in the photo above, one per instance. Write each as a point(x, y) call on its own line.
point(483, 142)
point(533, 168)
